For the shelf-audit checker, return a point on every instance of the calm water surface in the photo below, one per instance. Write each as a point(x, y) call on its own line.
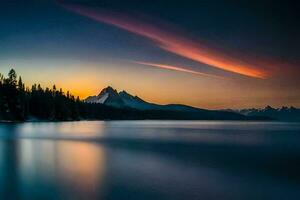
point(150, 160)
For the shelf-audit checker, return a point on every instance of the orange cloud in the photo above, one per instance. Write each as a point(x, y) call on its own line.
point(175, 68)
point(173, 42)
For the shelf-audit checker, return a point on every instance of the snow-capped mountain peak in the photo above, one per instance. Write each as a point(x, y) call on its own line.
point(108, 90)
point(110, 96)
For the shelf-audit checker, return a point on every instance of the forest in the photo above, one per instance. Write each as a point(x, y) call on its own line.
point(19, 102)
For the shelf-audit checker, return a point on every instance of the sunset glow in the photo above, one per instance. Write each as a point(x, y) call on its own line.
point(213, 55)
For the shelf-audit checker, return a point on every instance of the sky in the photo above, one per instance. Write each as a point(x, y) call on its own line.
point(210, 53)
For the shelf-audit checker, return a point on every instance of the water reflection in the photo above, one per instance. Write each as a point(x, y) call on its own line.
point(9, 185)
point(83, 165)
point(77, 130)
point(46, 169)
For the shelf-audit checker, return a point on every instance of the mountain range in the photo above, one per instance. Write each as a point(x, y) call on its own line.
point(123, 100)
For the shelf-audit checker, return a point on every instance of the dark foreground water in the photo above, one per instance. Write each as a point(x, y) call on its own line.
point(150, 160)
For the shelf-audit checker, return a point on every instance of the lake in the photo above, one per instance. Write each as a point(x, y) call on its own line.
point(143, 160)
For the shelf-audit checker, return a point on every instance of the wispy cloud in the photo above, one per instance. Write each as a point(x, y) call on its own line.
point(175, 68)
point(173, 42)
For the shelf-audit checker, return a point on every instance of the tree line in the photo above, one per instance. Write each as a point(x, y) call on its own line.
point(20, 103)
